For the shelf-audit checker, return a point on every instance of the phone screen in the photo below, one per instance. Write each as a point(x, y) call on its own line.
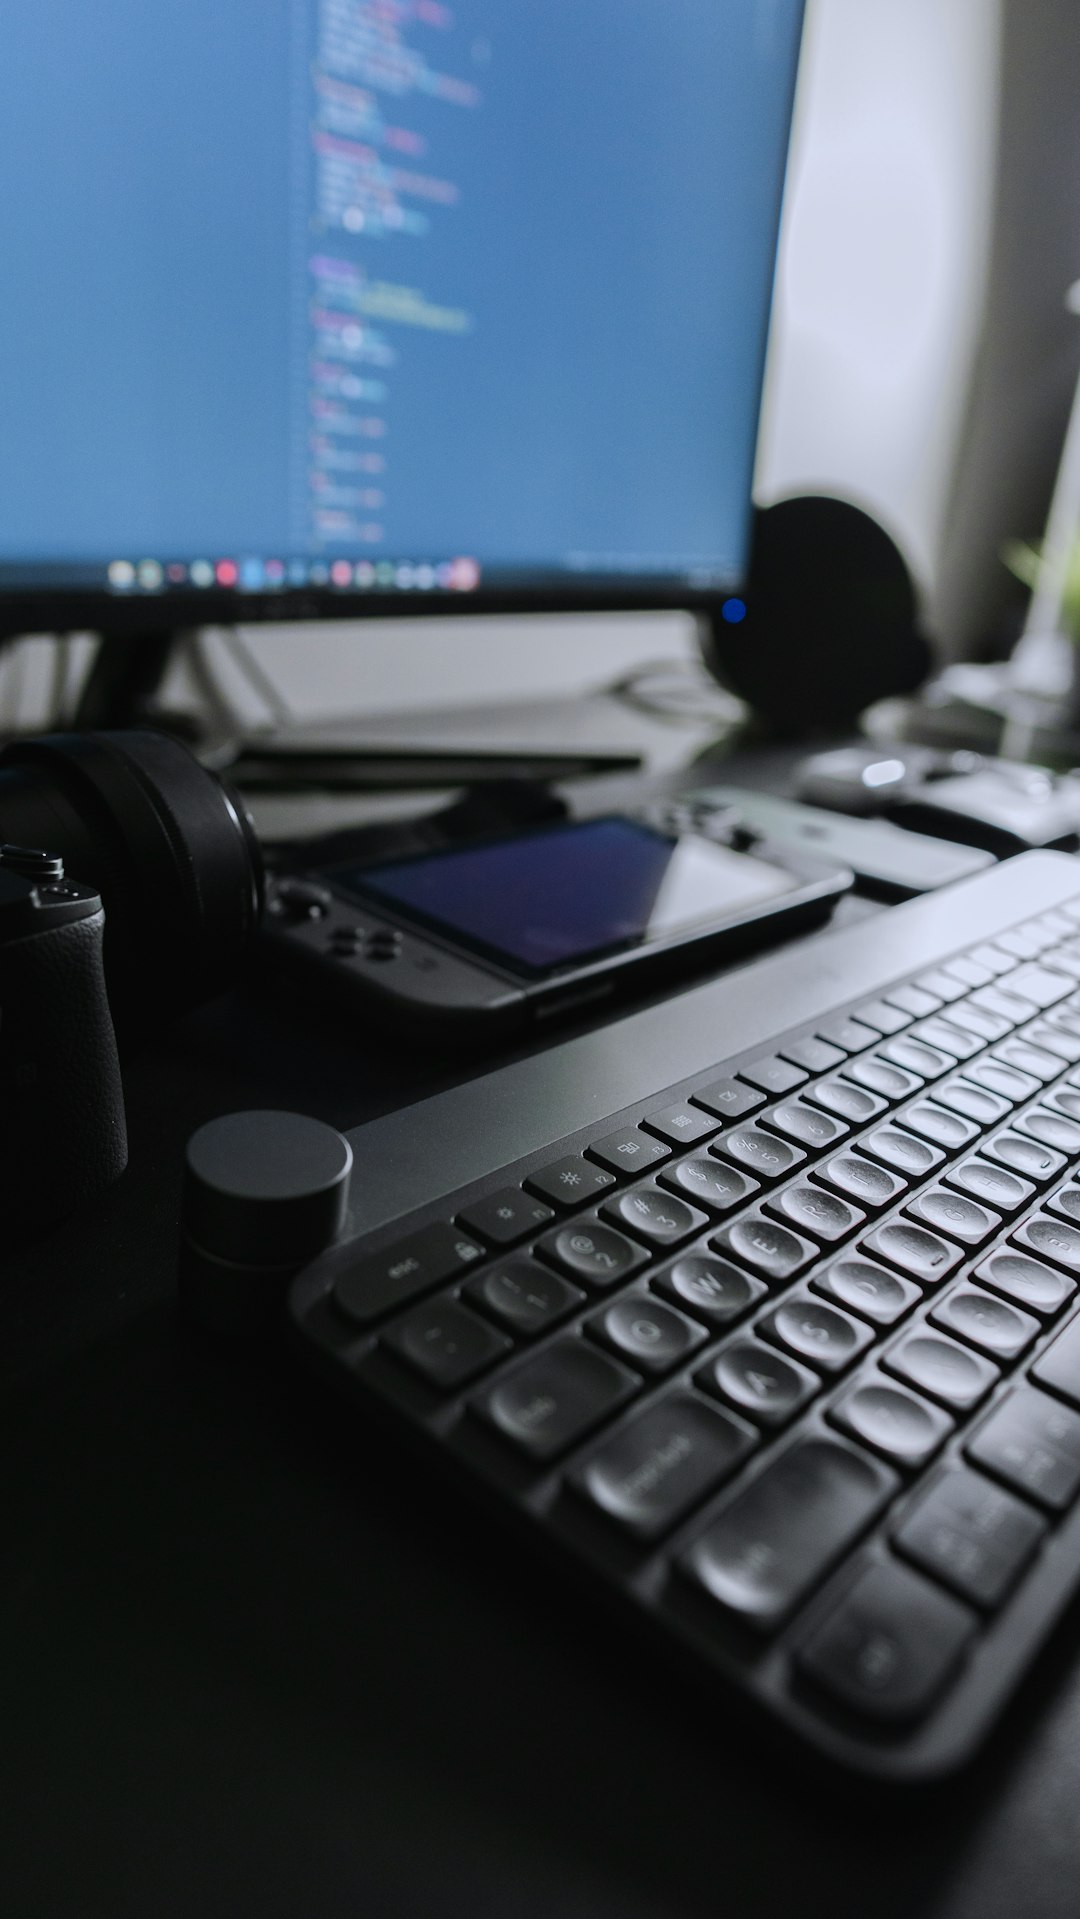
point(570, 893)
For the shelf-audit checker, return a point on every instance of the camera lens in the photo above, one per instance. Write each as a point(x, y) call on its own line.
point(169, 847)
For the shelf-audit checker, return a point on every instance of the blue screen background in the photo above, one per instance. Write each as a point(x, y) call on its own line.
point(610, 244)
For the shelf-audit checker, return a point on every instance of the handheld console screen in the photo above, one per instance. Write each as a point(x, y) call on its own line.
point(570, 893)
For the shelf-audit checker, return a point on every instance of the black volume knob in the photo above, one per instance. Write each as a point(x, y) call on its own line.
point(264, 1192)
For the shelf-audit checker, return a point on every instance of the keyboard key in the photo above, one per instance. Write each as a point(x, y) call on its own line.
point(522, 1295)
point(950, 1131)
point(663, 1462)
point(1030, 1282)
point(646, 1332)
point(778, 1537)
point(929, 1062)
point(996, 1328)
point(924, 1256)
point(885, 1019)
point(913, 999)
point(867, 1288)
point(1024, 1156)
point(1066, 1203)
point(815, 1332)
point(1052, 1239)
point(1051, 1038)
point(1032, 1442)
point(1063, 1099)
point(1042, 1065)
point(763, 1154)
point(906, 1430)
point(859, 1179)
point(971, 971)
point(1059, 1366)
point(556, 1396)
point(971, 1535)
point(714, 1289)
point(902, 1152)
point(849, 1101)
point(810, 1209)
point(573, 1181)
point(710, 1182)
point(1003, 1190)
point(1039, 984)
point(881, 1076)
point(381, 1281)
point(760, 1382)
point(942, 1369)
point(507, 1216)
point(683, 1125)
point(766, 1247)
point(891, 1646)
point(942, 984)
point(728, 1098)
point(1012, 1085)
point(975, 1103)
point(815, 1055)
point(850, 1035)
point(1011, 1006)
point(955, 1214)
point(445, 1343)
point(993, 958)
point(1051, 1129)
point(655, 1216)
point(773, 1075)
point(979, 1020)
point(940, 1033)
point(805, 1125)
point(629, 1151)
point(591, 1252)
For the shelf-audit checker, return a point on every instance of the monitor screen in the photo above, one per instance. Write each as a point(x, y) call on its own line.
point(317, 300)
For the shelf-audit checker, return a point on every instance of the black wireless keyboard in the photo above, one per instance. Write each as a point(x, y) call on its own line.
point(781, 1349)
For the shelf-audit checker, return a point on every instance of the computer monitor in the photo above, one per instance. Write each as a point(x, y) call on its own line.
point(314, 307)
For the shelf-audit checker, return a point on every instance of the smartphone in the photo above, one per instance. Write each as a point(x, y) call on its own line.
point(508, 929)
point(887, 860)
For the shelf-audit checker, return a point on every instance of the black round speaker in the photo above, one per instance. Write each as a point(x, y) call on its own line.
point(831, 622)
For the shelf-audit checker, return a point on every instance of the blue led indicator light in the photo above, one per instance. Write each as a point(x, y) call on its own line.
point(733, 611)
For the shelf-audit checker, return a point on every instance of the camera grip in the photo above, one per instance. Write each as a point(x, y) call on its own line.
point(63, 1135)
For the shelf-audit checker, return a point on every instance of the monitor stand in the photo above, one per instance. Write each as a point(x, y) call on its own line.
point(129, 669)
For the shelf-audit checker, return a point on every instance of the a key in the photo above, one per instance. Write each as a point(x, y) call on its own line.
point(867, 1288)
point(629, 1152)
point(940, 1032)
point(848, 1101)
point(1036, 1060)
point(1030, 1282)
point(1051, 1129)
point(849, 1035)
point(816, 1332)
point(446, 1343)
point(773, 1075)
point(1050, 1238)
point(950, 1131)
point(573, 1181)
point(882, 1076)
point(1024, 1156)
point(941, 983)
point(971, 1535)
point(522, 1295)
point(591, 1252)
point(815, 1055)
point(971, 971)
point(921, 1254)
point(890, 1647)
point(1032, 1442)
point(647, 1333)
point(913, 999)
point(928, 1062)
point(885, 1019)
point(655, 1216)
point(381, 1281)
point(761, 1154)
point(894, 1422)
point(871, 1186)
point(1066, 1204)
point(903, 1152)
point(758, 1381)
point(810, 1209)
point(505, 1218)
point(556, 1396)
point(942, 1369)
point(778, 1537)
point(972, 1102)
point(683, 1125)
point(728, 1098)
point(806, 1125)
point(1058, 1367)
point(999, 1078)
point(710, 1182)
point(709, 1287)
point(1052, 1038)
point(662, 1462)
point(1006, 1192)
point(991, 1324)
point(766, 1247)
point(956, 1214)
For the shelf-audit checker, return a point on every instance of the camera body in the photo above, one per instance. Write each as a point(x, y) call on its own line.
point(62, 1131)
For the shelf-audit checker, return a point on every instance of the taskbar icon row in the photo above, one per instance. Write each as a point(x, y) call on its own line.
point(458, 575)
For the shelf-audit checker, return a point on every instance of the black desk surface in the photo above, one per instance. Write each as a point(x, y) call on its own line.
point(255, 1664)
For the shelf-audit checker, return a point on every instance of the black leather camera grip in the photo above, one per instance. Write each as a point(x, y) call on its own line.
point(63, 1135)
